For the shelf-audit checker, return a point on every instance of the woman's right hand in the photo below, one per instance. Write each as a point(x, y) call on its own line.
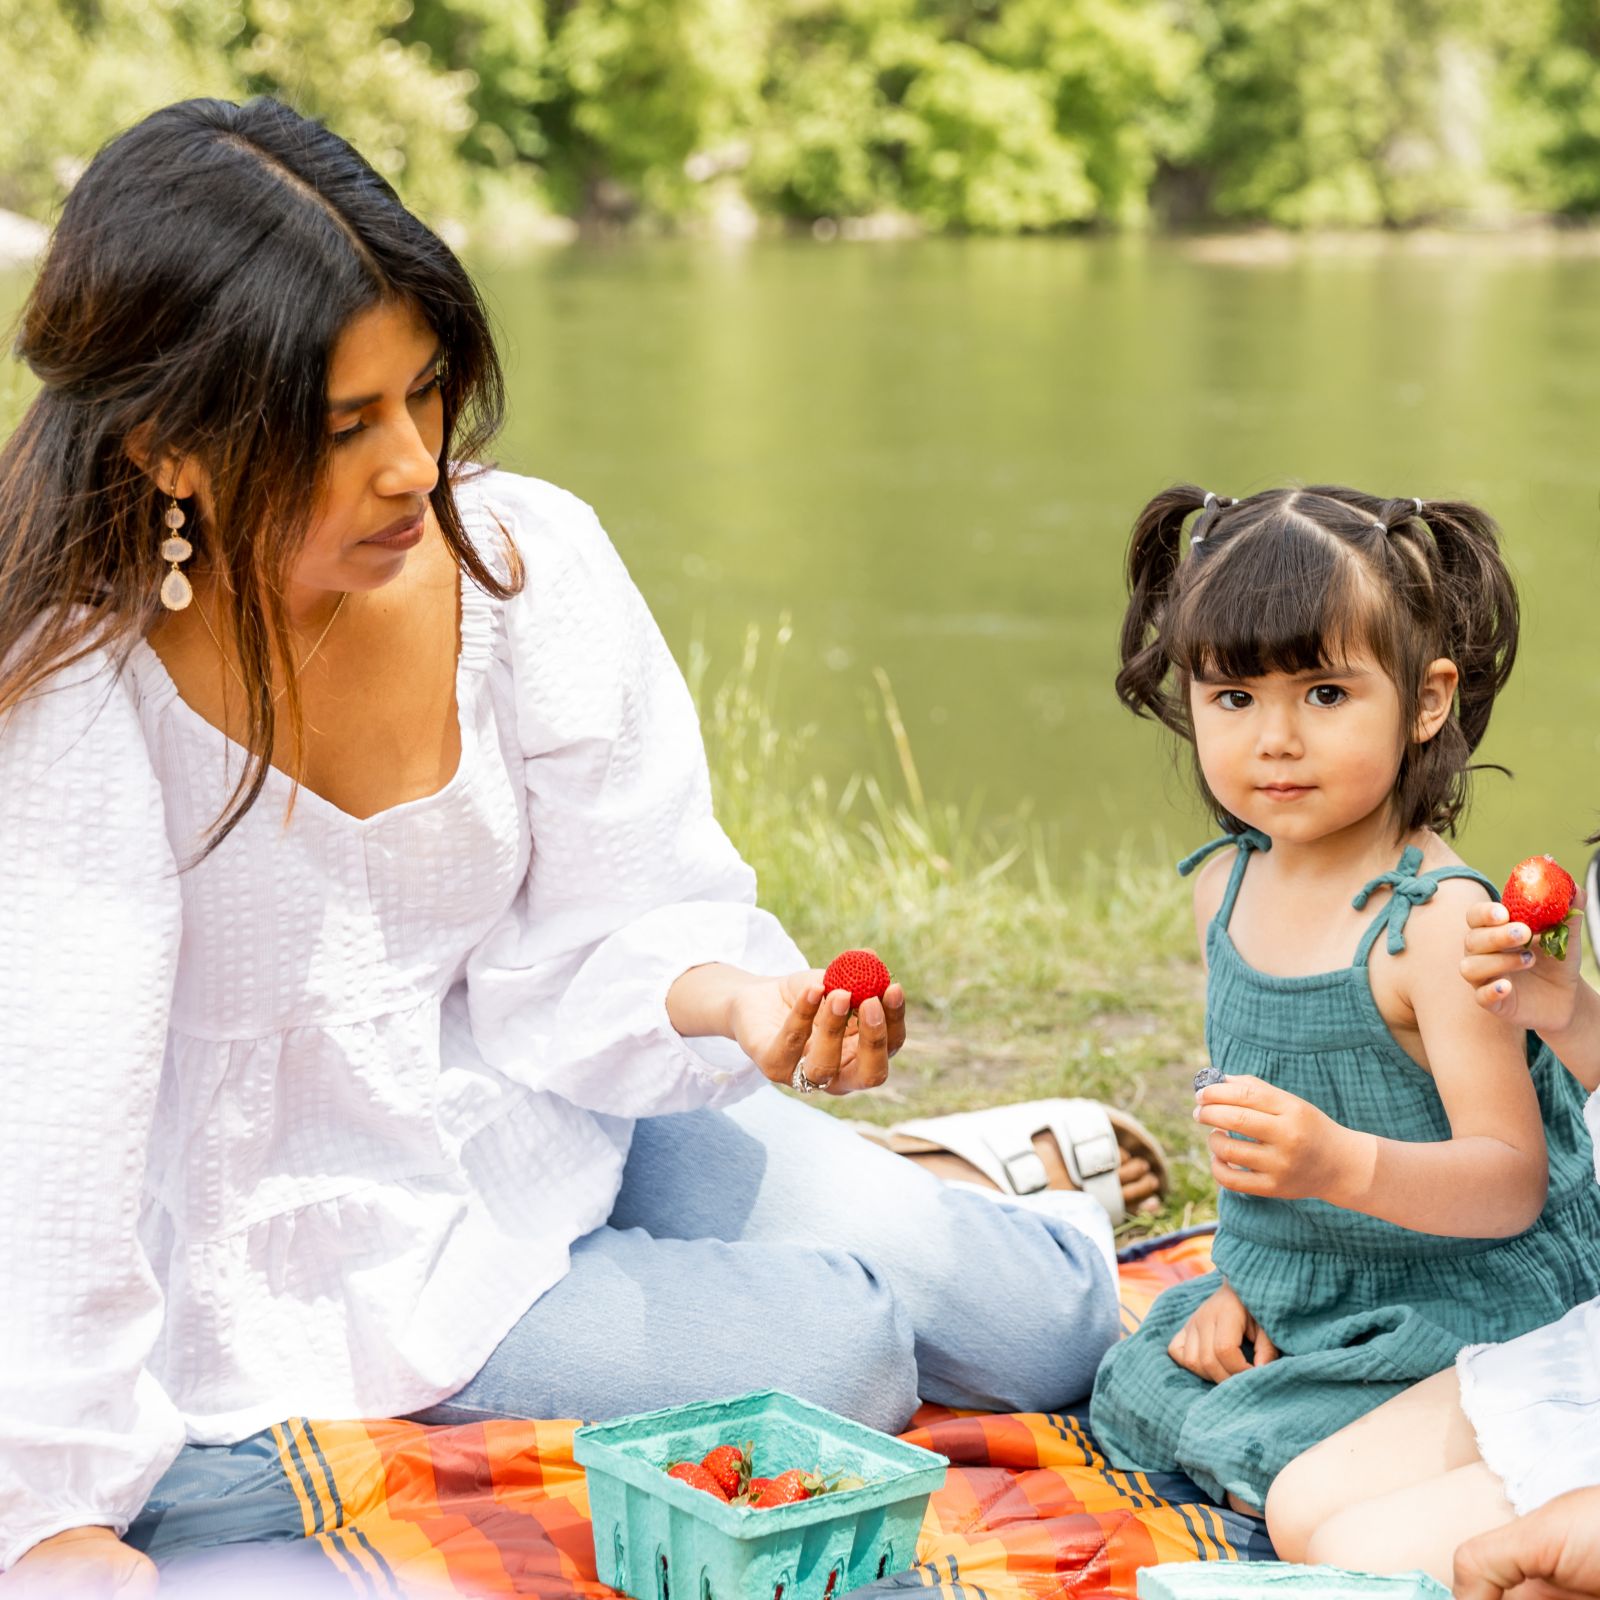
point(1211, 1343)
point(783, 1022)
point(86, 1563)
point(1516, 983)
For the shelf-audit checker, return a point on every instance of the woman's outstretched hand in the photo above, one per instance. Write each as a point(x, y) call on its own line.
point(1517, 983)
point(91, 1563)
point(777, 1022)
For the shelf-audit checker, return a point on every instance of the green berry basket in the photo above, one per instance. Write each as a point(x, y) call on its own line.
point(658, 1539)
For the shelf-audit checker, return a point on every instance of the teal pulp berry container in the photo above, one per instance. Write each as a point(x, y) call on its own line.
point(658, 1539)
point(1277, 1580)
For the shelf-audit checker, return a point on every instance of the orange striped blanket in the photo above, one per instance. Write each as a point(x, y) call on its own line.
point(1029, 1510)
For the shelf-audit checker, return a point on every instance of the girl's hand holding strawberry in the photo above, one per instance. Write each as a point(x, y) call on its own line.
point(1290, 1149)
point(1513, 977)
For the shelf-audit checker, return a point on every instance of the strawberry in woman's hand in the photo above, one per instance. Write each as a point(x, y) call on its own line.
point(859, 971)
point(1539, 894)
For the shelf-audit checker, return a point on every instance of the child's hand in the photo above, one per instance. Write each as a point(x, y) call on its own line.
point(1211, 1343)
point(1290, 1149)
point(1516, 983)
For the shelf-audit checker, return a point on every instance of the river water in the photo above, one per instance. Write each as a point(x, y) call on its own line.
point(928, 455)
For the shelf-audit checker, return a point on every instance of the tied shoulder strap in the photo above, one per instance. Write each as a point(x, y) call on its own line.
point(1407, 888)
point(1245, 841)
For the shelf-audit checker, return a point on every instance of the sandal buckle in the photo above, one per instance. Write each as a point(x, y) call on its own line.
point(1096, 1156)
point(1026, 1172)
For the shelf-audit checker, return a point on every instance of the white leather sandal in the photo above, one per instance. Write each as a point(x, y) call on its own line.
point(998, 1141)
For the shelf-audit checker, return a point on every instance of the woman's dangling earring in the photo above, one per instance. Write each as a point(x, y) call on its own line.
point(176, 590)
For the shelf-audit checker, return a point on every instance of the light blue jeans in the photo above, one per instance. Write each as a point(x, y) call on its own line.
point(770, 1245)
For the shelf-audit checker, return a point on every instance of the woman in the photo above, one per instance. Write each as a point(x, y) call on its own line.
point(361, 890)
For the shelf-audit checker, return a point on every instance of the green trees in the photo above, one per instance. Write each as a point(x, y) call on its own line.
point(79, 70)
point(1339, 112)
point(984, 115)
point(1547, 130)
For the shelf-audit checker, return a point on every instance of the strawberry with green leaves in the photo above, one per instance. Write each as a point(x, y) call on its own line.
point(729, 1464)
point(791, 1487)
point(1539, 894)
point(787, 1489)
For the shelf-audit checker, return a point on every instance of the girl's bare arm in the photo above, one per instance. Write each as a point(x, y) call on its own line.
point(1489, 1178)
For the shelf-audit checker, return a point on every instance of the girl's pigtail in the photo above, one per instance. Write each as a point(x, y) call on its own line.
point(1155, 553)
point(1477, 607)
point(1473, 603)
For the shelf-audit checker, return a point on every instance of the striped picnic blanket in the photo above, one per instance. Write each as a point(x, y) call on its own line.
point(1029, 1510)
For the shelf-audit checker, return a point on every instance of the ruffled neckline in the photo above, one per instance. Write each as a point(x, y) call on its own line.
point(477, 613)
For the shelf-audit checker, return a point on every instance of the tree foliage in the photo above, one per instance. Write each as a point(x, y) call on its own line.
point(984, 115)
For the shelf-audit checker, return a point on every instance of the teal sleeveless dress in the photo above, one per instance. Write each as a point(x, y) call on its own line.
point(1359, 1308)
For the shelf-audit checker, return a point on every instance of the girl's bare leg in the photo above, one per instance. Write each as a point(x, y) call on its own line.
point(1415, 1438)
point(1418, 1526)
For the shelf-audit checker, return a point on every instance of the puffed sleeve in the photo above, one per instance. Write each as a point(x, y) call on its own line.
point(631, 880)
point(89, 922)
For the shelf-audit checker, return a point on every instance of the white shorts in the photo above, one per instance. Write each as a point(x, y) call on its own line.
point(1534, 1403)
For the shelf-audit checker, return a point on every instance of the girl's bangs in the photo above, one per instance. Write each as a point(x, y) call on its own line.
point(1277, 600)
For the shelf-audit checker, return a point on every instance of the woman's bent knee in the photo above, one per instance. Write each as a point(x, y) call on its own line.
point(1082, 1334)
point(859, 1355)
point(1045, 1335)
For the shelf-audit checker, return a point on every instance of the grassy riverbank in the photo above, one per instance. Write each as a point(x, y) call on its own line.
point(1026, 978)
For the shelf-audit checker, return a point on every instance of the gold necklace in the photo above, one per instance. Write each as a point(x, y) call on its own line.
point(206, 621)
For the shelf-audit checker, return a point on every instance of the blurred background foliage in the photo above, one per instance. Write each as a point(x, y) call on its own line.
point(992, 116)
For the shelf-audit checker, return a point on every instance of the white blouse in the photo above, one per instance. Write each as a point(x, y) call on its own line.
point(306, 1127)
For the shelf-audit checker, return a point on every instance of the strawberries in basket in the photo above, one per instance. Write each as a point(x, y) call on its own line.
point(725, 1472)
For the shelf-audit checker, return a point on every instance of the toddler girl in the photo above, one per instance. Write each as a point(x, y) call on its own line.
point(1400, 1174)
point(1507, 1430)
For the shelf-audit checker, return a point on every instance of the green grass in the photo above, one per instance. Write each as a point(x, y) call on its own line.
point(1025, 977)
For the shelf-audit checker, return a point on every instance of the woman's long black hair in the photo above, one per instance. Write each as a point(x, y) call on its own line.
point(201, 272)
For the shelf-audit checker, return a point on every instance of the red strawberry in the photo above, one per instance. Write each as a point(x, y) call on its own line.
point(729, 1464)
point(696, 1476)
point(859, 971)
point(1539, 893)
point(786, 1489)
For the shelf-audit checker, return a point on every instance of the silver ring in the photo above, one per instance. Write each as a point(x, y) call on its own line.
point(800, 1081)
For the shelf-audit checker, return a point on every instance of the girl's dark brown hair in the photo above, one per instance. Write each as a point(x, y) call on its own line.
point(1295, 580)
point(201, 271)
